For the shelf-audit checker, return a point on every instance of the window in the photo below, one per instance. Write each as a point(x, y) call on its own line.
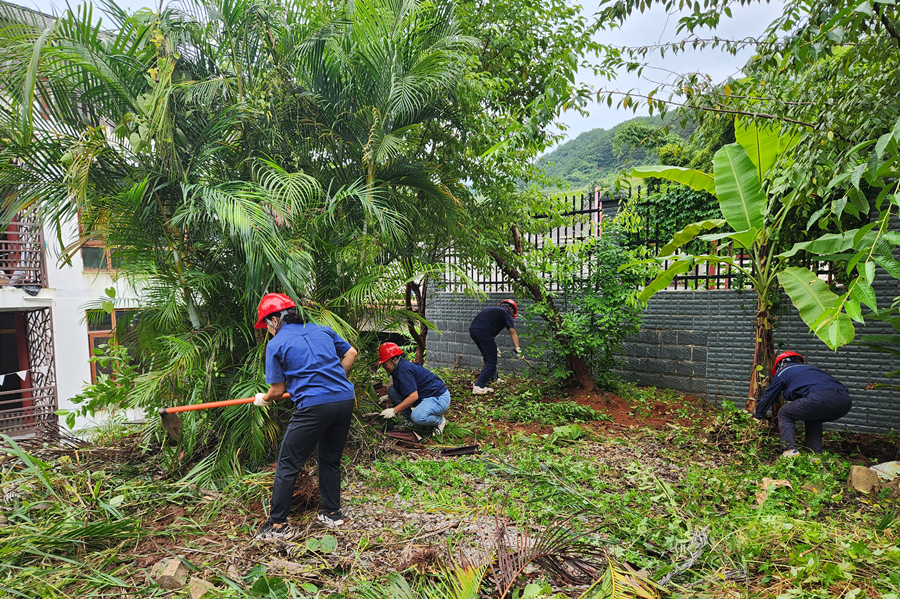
point(97, 257)
point(101, 326)
point(95, 254)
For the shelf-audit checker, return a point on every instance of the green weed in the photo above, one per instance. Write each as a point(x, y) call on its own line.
point(529, 406)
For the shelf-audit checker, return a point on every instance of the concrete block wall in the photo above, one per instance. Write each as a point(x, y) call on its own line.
point(452, 313)
point(698, 342)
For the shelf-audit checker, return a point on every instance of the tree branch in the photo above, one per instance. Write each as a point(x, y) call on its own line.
point(887, 24)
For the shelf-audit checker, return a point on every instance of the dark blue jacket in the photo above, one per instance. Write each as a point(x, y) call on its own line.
point(493, 320)
point(409, 376)
point(795, 381)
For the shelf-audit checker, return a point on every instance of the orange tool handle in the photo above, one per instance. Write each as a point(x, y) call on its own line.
point(211, 404)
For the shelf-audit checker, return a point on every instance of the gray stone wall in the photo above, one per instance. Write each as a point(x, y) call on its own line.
point(699, 342)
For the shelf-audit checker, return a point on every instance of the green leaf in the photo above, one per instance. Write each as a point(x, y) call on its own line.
point(760, 143)
point(830, 243)
point(863, 293)
point(813, 298)
point(663, 279)
point(688, 233)
point(868, 271)
point(882, 144)
point(889, 264)
point(853, 310)
point(328, 544)
point(841, 332)
point(738, 189)
point(694, 179)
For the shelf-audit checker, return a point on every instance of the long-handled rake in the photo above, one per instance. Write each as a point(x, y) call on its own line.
point(172, 423)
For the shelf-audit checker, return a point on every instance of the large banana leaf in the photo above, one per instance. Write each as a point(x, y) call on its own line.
point(814, 300)
point(694, 179)
point(762, 144)
point(688, 233)
point(831, 243)
point(743, 238)
point(681, 264)
point(740, 193)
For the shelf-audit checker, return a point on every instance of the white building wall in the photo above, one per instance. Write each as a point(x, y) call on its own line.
point(69, 290)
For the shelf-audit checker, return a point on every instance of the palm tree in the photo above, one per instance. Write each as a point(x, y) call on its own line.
point(227, 149)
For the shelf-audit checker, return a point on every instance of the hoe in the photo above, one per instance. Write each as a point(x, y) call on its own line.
point(172, 423)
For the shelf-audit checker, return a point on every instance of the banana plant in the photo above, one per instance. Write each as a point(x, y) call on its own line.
point(739, 182)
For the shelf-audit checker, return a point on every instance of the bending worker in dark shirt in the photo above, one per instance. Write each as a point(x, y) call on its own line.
point(483, 329)
point(416, 393)
point(814, 395)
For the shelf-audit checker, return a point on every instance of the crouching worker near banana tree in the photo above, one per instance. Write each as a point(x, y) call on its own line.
point(814, 395)
point(311, 363)
point(415, 392)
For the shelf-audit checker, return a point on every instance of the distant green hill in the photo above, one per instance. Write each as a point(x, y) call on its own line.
point(590, 158)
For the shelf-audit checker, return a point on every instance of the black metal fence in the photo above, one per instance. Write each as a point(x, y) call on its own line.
point(585, 219)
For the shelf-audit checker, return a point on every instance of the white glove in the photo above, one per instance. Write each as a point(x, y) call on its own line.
point(518, 351)
point(383, 400)
point(499, 355)
point(259, 401)
point(387, 414)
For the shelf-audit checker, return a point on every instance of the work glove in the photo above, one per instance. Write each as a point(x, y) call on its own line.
point(259, 401)
point(518, 351)
point(387, 414)
point(499, 355)
point(383, 400)
point(762, 421)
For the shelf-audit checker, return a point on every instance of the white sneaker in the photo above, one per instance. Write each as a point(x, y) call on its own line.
point(331, 520)
point(440, 427)
point(476, 390)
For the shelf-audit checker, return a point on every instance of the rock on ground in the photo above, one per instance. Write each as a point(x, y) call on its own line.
point(862, 479)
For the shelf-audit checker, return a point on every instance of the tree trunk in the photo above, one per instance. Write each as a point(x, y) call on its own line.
point(763, 356)
point(538, 294)
point(419, 336)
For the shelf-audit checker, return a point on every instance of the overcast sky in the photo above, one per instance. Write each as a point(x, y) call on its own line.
point(651, 27)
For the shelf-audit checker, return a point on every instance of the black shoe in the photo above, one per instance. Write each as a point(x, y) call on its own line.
point(333, 519)
point(268, 532)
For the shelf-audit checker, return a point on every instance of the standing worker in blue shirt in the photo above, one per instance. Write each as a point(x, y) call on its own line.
point(483, 329)
point(311, 363)
point(416, 392)
point(814, 395)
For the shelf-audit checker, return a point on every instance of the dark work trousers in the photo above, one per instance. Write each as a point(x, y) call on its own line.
point(326, 425)
point(488, 348)
point(820, 405)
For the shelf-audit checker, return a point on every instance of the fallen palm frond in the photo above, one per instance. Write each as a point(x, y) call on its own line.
point(561, 551)
point(621, 581)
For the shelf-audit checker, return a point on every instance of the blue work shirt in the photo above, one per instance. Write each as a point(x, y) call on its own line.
point(494, 320)
point(795, 381)
point(307, 358)
point(409, 376)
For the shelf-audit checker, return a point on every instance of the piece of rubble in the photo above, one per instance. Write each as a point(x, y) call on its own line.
point(199, 588)
point(862, 479)
point(888, 470)
point(170, 573)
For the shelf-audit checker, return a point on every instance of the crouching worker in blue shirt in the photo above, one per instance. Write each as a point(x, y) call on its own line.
point(416, 393)
point(814, 395)
point(311, 363)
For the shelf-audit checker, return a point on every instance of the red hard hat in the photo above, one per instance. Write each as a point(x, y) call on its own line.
point(269, 304)
point(787, 354)
point(387, 351)
point(514, 307)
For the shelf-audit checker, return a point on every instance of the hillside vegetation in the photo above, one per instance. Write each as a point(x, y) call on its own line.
point(593, 157)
